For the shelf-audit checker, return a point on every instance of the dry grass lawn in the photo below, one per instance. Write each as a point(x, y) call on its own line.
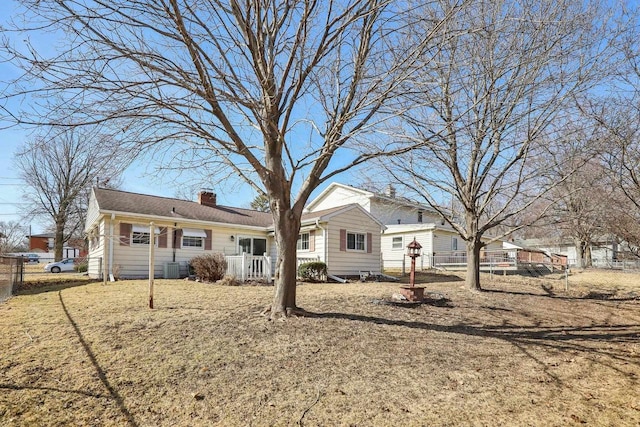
point(525, 352)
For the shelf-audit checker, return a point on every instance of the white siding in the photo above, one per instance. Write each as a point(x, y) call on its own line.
point(442, 242)
point(133, 261)
point(394, 258)
point(391, 213)
point(319, 245)
point(95, 254)
point(350, 263)
point(93, 212)
point(495, 246)
point(340, 196)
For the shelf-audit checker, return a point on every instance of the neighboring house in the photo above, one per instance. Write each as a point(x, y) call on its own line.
point(45, 242)
point(434, 238)
point(119, 226)
point(404, 220)
point(604, 251)
point(386, 208)
point(521, 252)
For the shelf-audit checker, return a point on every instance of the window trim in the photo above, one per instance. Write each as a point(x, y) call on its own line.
point(355, 241)
point(401, 247)
point(140, 234)
point(144, 230)
point(189, 237)
point(300, 244)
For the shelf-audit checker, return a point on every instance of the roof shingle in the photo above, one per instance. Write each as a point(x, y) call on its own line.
point(142, 204)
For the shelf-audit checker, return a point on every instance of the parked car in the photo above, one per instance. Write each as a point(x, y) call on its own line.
point(32, 258)
point(64, 265)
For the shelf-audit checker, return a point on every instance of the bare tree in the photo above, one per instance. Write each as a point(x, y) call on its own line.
point(261, 203)
point(12, 237)
point(489, 107)
point(275, 91)
point(59, 170)
point(583, 208)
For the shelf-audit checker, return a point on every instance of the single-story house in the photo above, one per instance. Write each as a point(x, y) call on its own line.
point(604, 251)
point(119, 226)
point(523, 254)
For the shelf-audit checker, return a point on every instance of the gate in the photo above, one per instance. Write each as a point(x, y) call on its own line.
point(11, 275)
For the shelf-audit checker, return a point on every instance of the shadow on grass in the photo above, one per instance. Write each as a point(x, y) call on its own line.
point(550, 293)
point(32, 288)
point(55, 389)
point(101, 374)
point(426, 278)
point(434, 302)
point(560, 338)
point(604, 333)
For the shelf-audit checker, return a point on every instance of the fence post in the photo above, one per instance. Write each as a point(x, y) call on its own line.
point(267, 267)
point(244, 266)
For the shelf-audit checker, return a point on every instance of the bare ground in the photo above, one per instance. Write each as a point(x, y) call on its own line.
point(525, 352)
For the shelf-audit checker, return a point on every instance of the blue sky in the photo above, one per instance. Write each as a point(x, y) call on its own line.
point(141, 177)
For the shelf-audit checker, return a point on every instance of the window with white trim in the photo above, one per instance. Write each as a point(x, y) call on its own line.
point(303, 242)
point(355, 241)
point(140, 235)
point(396, 243)
point(192, 242)
point(140, 238)
point(454, 243)
point(193, 238)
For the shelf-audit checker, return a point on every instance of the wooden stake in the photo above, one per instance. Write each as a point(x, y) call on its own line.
point(152, 246)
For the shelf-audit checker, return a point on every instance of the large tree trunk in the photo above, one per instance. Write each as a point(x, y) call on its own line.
point(588, 261)
point(473, 264)
point(287, 228)
point(580, 252)
point(58, 241)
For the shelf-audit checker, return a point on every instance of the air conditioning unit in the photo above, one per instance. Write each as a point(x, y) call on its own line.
point(171, 270)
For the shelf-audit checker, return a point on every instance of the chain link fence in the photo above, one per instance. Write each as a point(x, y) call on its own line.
point(11, 275)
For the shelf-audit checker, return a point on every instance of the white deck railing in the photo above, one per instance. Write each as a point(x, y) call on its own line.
point(249, 267)
point(256, 267)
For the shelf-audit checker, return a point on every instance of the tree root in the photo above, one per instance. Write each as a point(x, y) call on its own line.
point(290, 312)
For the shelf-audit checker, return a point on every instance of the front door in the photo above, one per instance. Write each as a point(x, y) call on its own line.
point(256, 247)
point(252, 245)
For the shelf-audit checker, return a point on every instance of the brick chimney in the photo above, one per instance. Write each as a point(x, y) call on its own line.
point(207, 198)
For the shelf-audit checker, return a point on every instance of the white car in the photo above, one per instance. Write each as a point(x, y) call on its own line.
point(64, 265)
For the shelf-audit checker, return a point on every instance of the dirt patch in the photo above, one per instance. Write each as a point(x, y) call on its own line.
point(516, 354)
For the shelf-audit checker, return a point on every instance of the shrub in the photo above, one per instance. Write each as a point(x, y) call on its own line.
point(229, 281)
point(209, 268)
point(313, 271)
point(83, 267)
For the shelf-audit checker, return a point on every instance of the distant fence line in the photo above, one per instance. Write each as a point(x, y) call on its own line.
point(11, 275)
point(610, 264)
point(500, 259)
